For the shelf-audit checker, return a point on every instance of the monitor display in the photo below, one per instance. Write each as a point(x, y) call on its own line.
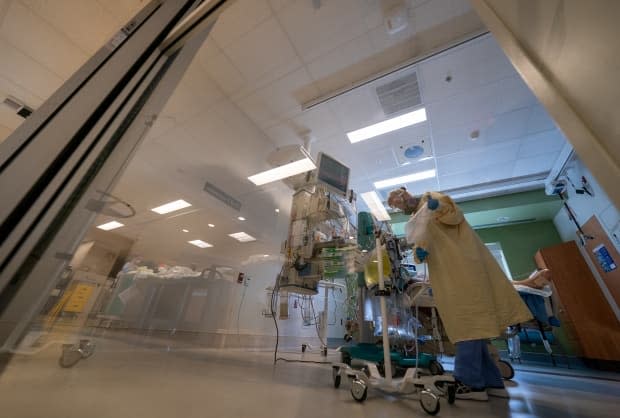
point(333, 173)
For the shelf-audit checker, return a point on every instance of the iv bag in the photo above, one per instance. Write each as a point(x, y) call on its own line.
point(371, 270)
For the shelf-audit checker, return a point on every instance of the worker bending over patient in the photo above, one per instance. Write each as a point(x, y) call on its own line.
point(475, 299)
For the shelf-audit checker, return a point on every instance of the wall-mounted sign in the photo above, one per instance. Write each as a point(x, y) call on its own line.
point(604, 258)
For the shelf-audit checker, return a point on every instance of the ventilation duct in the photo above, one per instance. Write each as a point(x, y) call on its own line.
point(399, 94)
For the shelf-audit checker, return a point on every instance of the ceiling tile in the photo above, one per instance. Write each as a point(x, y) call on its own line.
point(493, 172)
point(208, 50)
point(316, 32)
point(537, 164)
point(69, 16)
point(8, 118)
point(123, 10)
point(41, 41)
point(513, 93)
point(342, 57)
point(381, 39)
point(276, 5)
point(451, 139)
point(22, 70)
point(285, 133)
point(430, 13)
point(262, 51)
point(224, 73)
point(5, 132)
point(474, 105)
point(357, 109)
point(542, 143)
point(316, 124)
point(195, 93)
point(507, 125)
point(473, 159)
point(539, 120)
point(270, 105)
point(471, 66)
point(238, 19)
point(319, 121)
point(11, 88)
point(390, 168)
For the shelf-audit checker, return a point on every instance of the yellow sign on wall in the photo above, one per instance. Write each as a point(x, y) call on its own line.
point(78, 299)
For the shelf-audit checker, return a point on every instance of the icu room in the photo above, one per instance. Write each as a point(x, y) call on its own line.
point(299, 208)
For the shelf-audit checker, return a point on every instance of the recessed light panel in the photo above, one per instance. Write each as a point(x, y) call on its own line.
point(375, 206)
point(409, 178)
point(282, 172)
point(200, 243)
point(242, 237)
point(171, 206)
point(402, 121)
point(110, 225)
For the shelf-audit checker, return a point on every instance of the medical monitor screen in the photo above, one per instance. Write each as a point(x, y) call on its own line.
point(333, 174)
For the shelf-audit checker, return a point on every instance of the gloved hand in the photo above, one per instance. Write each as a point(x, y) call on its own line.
point(432, 203)
point(421, 254)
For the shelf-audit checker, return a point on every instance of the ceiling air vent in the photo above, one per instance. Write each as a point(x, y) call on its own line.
point(400, 94)
point(19, 108)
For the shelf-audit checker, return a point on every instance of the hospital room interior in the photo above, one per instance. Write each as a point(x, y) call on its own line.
point(300, 208)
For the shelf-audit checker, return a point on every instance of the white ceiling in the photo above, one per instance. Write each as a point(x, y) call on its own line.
point(241, 98)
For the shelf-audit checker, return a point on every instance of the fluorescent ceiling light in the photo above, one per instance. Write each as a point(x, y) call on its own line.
point(241, 218)
point(110, 225)
point(409, 178)
point(277, 210)
point(242, 237)
point(200, 243)
point(402, 121)
point(171, 207)
point(282, 172)
point(211, 226)
point(376, 207)
point(185, 230)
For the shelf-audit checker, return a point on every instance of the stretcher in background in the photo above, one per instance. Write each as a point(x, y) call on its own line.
point(540, 329)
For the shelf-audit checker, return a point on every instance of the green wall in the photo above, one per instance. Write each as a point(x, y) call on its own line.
point(520, 242)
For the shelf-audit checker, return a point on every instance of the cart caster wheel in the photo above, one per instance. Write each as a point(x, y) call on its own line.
point(70, 356)
point(429, 402)
point(506, 369)
point(435, 368)
point(394, 368)
point(451, 393)
point(87, 348)
point(336, 376)
point(359, 391)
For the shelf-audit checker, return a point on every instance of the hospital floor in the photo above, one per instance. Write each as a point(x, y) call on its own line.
point(122, 380)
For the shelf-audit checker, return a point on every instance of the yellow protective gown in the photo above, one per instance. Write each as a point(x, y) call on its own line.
point(474, 297)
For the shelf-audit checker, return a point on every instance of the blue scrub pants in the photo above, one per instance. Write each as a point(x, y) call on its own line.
point(474, 366)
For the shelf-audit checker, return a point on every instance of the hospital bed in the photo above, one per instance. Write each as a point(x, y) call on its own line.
point(539, 329)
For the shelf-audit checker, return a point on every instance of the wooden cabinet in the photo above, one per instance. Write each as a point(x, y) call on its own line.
point(583, 309)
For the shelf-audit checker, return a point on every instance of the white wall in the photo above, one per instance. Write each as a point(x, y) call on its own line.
point(251, 321)
point(585, 206)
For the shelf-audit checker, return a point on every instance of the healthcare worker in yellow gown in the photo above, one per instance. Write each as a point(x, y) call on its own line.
point(475, 299)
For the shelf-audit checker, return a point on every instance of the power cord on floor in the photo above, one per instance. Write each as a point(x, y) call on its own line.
point(276, 289)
